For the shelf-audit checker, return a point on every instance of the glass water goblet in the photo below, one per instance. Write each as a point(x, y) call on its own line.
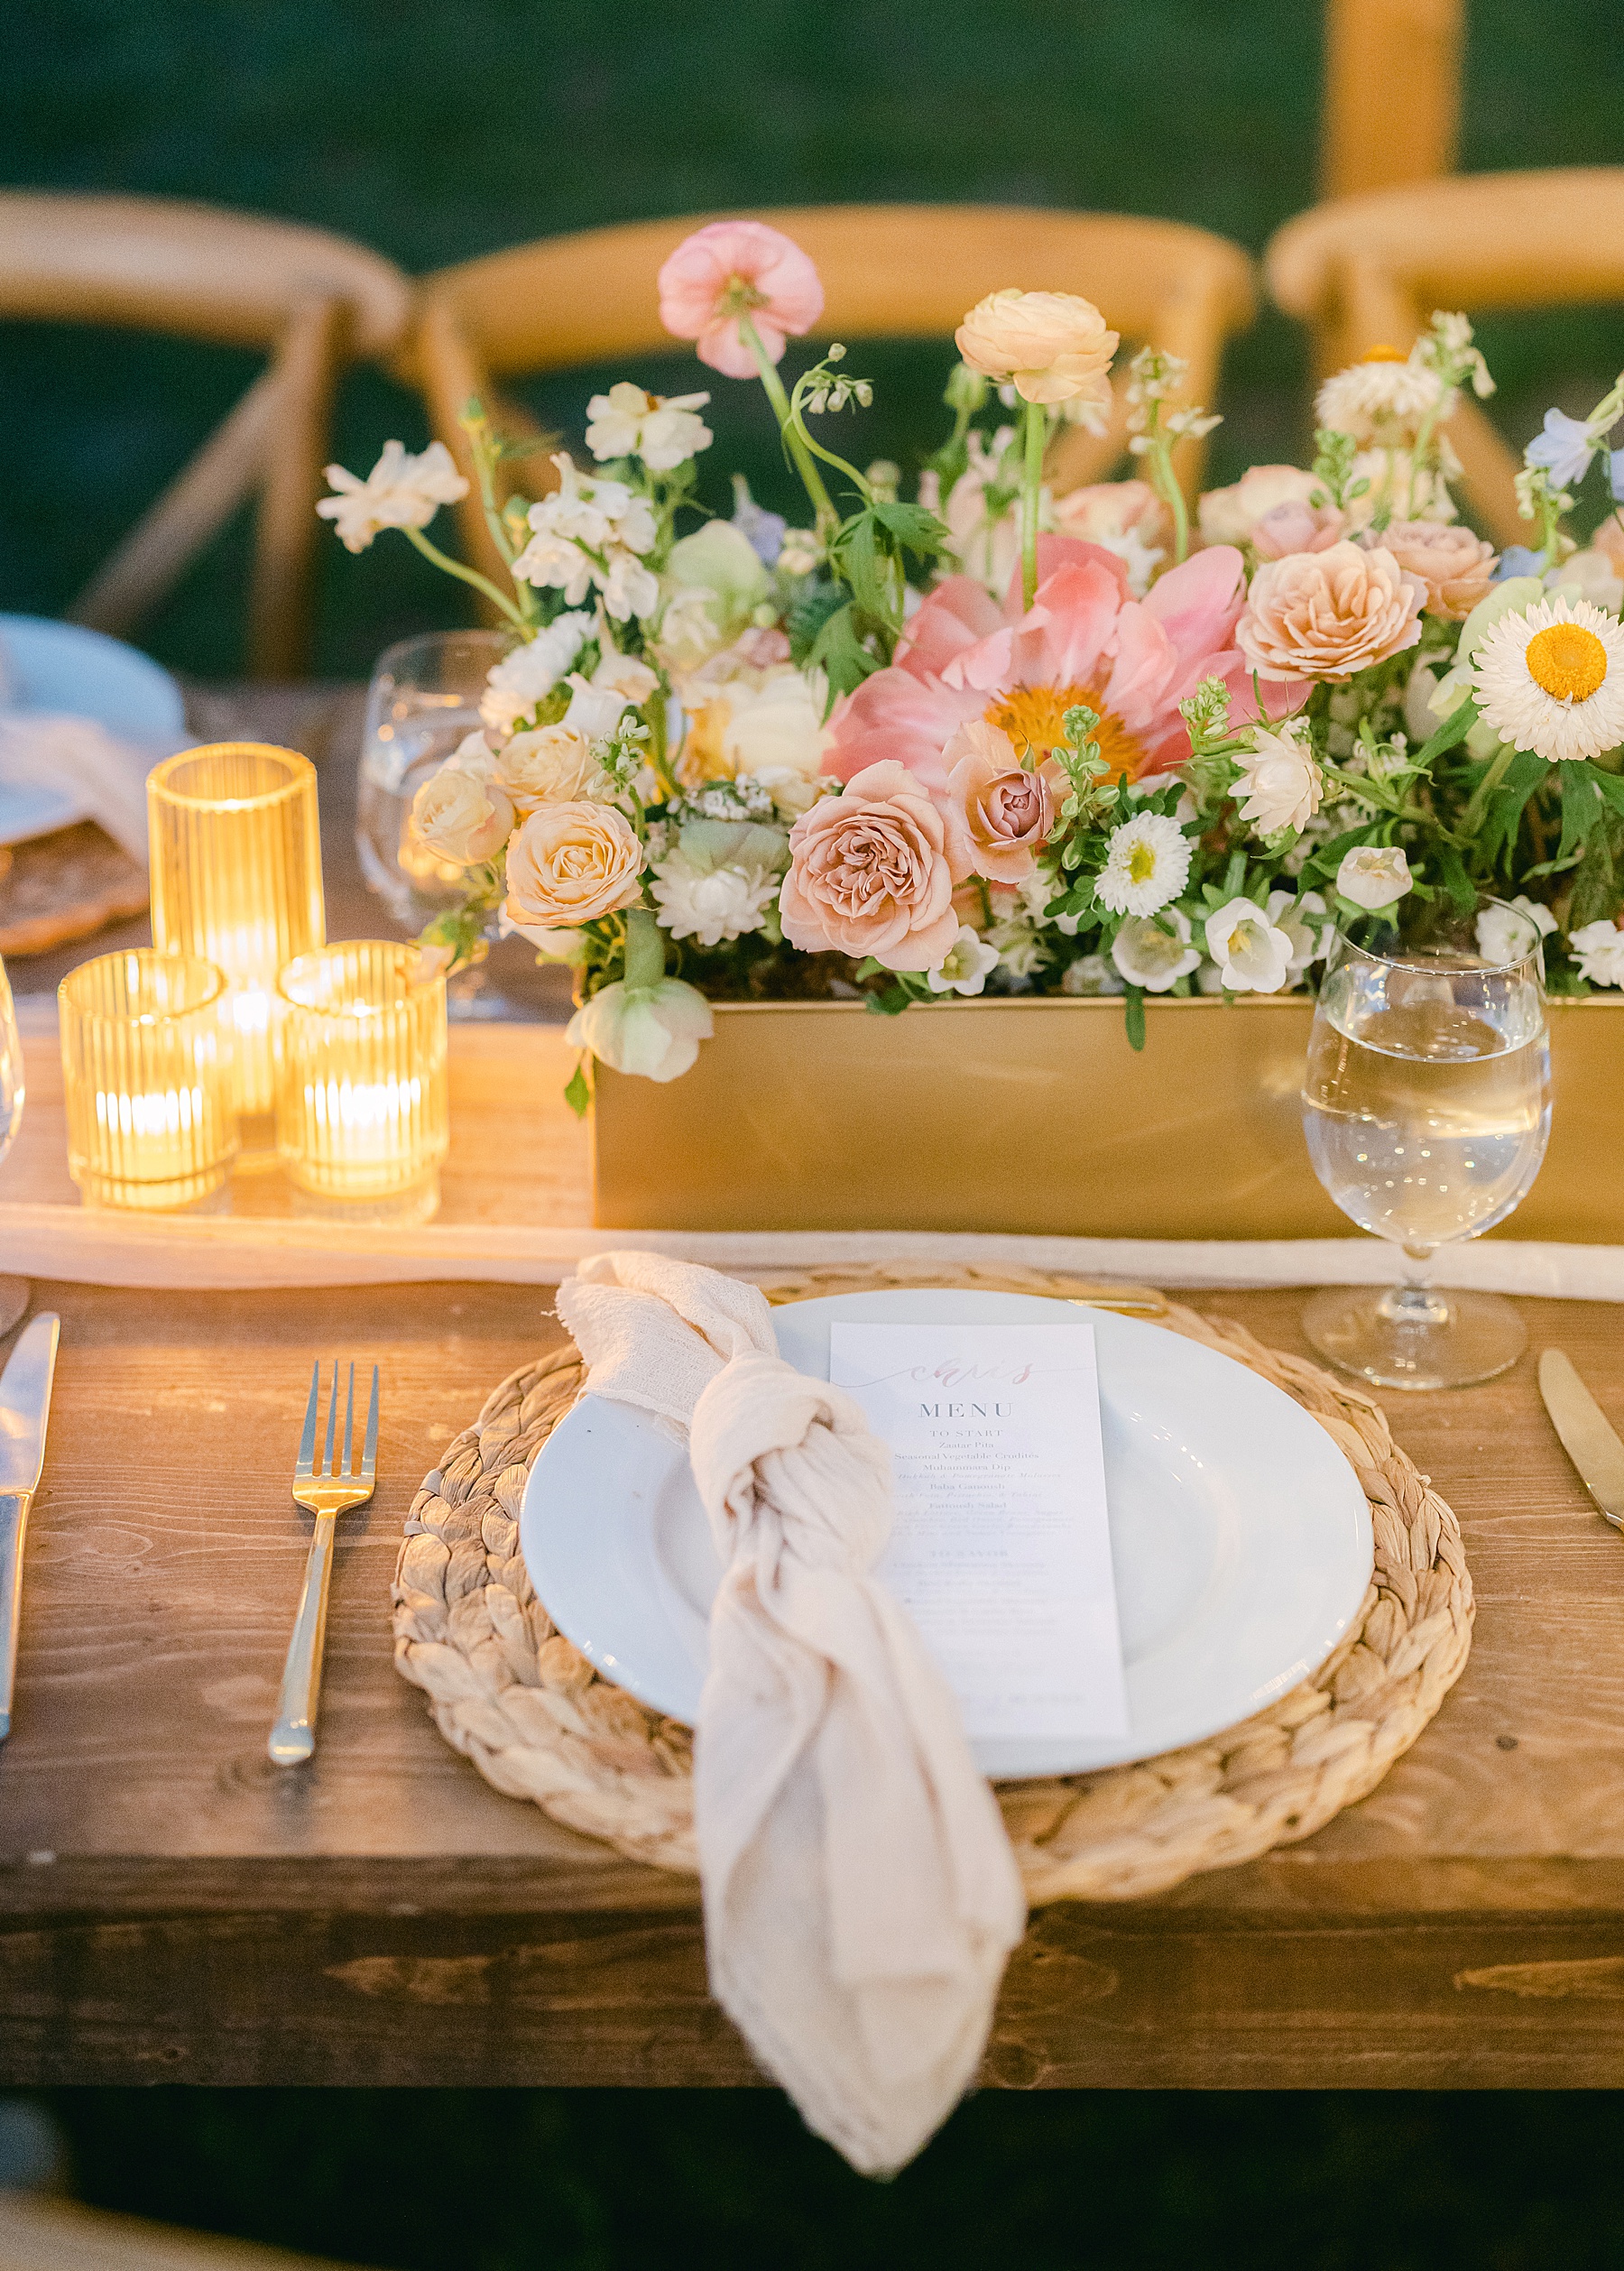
point(423, 700)
point(14, 1292)
point(1427, 1109)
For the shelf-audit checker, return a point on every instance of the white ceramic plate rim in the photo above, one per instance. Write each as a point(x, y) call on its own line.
point(588, 1529)
point(64, 665)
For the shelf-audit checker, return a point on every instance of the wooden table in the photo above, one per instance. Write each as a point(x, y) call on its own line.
point(176, 1908)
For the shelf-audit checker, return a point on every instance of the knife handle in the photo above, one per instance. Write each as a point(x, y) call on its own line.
point(14, 1531)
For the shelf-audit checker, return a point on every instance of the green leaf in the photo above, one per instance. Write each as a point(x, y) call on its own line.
point(1454, 728)
point(1456, 882)
point(1609, 786)
point(807, 616)
point(578, 1094)
point(912, 526)
point(842, 654)
point(1582, 807)
point(857, 550)
point(1134, 1016)
point(1504, 815)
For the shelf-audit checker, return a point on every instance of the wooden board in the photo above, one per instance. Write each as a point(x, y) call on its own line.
point(173, 1907)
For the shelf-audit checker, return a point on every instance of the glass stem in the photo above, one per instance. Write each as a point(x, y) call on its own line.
point(1414, 1302)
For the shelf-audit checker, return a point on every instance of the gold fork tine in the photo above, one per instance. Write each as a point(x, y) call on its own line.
point(325, 1493)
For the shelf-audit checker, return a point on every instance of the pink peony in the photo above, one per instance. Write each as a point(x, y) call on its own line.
point(869, 875)
point(731, 269)
point(999, 815)
point(1086, 640)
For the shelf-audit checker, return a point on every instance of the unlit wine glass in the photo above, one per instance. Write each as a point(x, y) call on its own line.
point(1426, 1108)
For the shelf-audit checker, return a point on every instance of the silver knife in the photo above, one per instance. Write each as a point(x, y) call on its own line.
point(24, 1409)
point(1586, 1436)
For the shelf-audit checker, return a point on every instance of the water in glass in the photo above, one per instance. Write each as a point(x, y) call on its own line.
point(423, 701)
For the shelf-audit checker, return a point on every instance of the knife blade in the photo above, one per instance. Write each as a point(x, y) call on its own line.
point(25, 1410)
point(1587, 1437)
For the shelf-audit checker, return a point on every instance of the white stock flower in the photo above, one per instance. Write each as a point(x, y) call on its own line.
point(1147, 956)
point(965, 965)
point(1599, 950)
point(1550, 679)
point(515, 685)
point(1147, 863)
point(1509, 931)
point(592, 533)
point(712, 905)
point(661, 429)
point(1373, 875)
point(651, 1031)
point(1386, 398)
point(630, 590)
point(1091, 974)
point(1252, 954)
point(1279, 779)
point(462, 818)
point(400, 492)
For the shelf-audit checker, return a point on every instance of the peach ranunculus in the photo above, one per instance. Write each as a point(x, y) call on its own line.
point(1086, 642)
point(569, 863)
point(998, 817)
point(1229, 516)
point(1329, 614)
point(1297, 526)
point(869, 874)
point(1054, 347)
point(1127, 517)
point(1456, 566)
point(552, 764)
point(731, 269)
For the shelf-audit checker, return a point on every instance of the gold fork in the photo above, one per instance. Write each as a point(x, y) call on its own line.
point(326, 1492)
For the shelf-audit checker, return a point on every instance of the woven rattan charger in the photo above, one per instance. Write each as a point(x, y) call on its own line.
point(510, 1692)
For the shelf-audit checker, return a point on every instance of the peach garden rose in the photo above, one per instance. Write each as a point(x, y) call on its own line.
point(869, 874)
point(1329, 614)
point(1456, 566)
point(461, 816)
point(998, 817)
point(569, 863)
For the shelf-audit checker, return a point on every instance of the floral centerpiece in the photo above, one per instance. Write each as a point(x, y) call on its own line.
point(1000, 740)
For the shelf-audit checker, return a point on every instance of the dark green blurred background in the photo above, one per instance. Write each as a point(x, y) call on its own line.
point(436, 129)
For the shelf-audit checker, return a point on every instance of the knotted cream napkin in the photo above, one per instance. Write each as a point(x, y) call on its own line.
point(89, 771)
point(861, 1898)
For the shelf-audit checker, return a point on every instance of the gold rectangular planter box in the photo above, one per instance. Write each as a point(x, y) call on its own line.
point(1035, 1116)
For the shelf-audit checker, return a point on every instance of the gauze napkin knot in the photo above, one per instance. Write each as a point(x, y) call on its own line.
point(861, 1898)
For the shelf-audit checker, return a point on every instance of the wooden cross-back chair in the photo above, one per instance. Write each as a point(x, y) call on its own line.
point(1391, 110)
point(888, 271)
point(1369, 271)
point(310, 299)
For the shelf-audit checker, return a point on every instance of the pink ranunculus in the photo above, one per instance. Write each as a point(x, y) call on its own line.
point(1086, 641)
point(730, 269)
point(869, 875)
point(1297, 526)
point(999, 815)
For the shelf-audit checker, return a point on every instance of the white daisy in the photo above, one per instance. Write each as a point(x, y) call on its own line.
point(1385, 399)
point(1599, 950)
point(1150, 956)
point(1550, 679)
point(963, 968)
point(1147, 864)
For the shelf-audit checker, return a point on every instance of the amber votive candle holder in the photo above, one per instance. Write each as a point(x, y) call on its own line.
point(235, 852)
point(363, 1114)
point(147, 1078)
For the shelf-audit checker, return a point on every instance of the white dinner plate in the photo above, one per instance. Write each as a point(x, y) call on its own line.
point(61, 666)
point(1239, 1535)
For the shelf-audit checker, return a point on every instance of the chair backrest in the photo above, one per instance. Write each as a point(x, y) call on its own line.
point(1369, 271)
point(307, 297)
point(888, 271)
point(1392, 108)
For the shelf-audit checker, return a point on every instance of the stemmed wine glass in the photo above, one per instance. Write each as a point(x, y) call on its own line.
point(423, 699)
point(14, 1292)
point(1427, 1109)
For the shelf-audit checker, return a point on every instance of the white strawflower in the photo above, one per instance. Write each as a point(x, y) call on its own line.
point(1510, 932)
point(661, 429)
point(400, 492)
point(1147, 864)
point(1599, 950)
point(1090, 974)
point(515, 685)
point(1550, 677)
point(1373, 875)
point(1148, 955)
point(1386, 398)
point(1252, 954)
point(1280, 779)
point(963, 968)
point(712, 905)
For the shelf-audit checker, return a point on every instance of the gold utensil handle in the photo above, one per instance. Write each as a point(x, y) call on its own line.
point(293, 1737)
point(13, 1532)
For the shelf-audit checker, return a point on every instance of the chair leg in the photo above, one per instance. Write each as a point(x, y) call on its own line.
point(279, 605)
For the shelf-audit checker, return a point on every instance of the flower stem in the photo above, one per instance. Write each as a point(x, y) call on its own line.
point(1031, 496)
point(645, 949)
point(1473, 819)
point(804, 464)
point(468, 576)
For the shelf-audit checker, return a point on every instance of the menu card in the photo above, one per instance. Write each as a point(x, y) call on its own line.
point(1000, 1552)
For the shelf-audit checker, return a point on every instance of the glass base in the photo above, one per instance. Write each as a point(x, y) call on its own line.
point(1402, 1337)
point(419, 1203)
point(201, 1194)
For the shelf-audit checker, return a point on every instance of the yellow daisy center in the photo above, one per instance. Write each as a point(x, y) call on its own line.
point(1034, 718)
point(1141, 863)
point(1568, 660)
point(1384, 355)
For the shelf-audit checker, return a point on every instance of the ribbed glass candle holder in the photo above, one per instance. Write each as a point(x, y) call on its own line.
point(237, 877)
point(147, 1078)
point(363, 1116)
